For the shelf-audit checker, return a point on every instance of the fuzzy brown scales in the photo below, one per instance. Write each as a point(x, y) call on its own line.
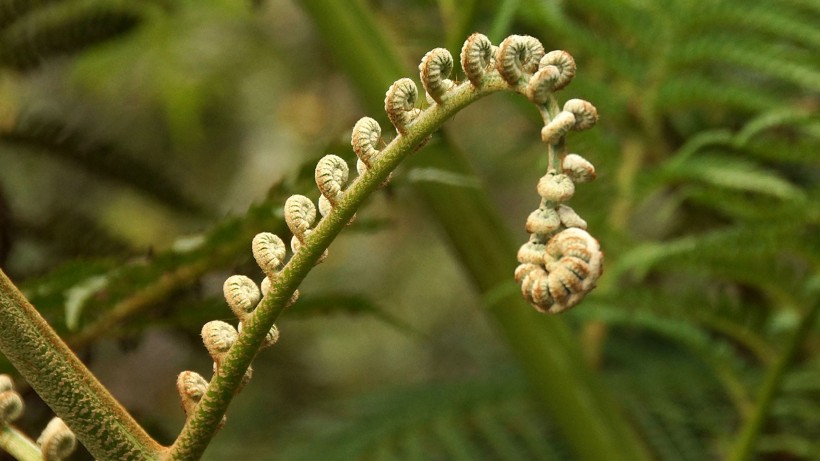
point(561, 261)
point(556, 276)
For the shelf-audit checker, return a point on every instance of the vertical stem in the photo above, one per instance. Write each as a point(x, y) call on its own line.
point(65, 384)
point(746, 442)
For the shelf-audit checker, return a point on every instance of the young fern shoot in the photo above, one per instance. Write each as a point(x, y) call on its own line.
point(55, 443)
point(560, 263)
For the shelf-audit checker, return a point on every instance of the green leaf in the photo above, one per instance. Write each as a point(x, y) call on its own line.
point(733, 173)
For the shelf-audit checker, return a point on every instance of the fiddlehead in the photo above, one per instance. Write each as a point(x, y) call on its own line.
point(518, 58)
point(241, 294)
point(331, 177)
point(559, 264)
point(477, 58)
point(191, 387)
point(577, 115)
point(57, 441)
point(434, 69)
point(400, 104)
point(269, 251)
point(218, 337)
point(365, 142)
point(11, 404)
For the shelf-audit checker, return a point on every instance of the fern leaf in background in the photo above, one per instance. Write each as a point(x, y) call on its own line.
point(34, 32)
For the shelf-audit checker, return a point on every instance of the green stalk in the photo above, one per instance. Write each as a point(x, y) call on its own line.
point(749, 435)
point(65, 384)
point(17, 444)
point(544, 345)
point(205, 420)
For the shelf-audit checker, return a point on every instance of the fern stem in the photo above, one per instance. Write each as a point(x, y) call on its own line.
point(203, 423)
point(65, 384)
point(746, 442)
point(17, 444)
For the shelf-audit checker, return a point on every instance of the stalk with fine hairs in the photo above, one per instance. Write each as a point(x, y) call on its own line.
point(560, 268)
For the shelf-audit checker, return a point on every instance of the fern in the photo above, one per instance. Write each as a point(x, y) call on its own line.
point(105, 159)
point(711, 137)
point(49, 29)
point(471, 420)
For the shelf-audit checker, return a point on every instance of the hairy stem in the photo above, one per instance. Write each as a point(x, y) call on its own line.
point(65, 384)
point(203, 423)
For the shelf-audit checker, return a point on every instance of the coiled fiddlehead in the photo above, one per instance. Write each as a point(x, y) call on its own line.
point(559, 264)
point(434, 69)
point(191, 387)
point(477, 58)
point(518, 58)
point(11, 404)
point(400, 104)
point(241, 294)
point(57, 441)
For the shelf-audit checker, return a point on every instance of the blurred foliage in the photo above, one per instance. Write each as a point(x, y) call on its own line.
point(129, 130)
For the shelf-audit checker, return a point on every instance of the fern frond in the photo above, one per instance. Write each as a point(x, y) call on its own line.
point(785, 444)
point(760, 261)
point(785, 135)
point(96, 157)
point(790, 117)
point(740, 205)
point(347, 304)
point(796, 414)
point(777, 21)
point(64, 28)
point(638, 26)
point(735, 174)
point(720, 355)
point(138, 285)
point(693, 90)
point(478, 420)
point(773, 60)
point(677, 406)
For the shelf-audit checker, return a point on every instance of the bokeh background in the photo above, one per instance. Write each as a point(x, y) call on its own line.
point(144, 143)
